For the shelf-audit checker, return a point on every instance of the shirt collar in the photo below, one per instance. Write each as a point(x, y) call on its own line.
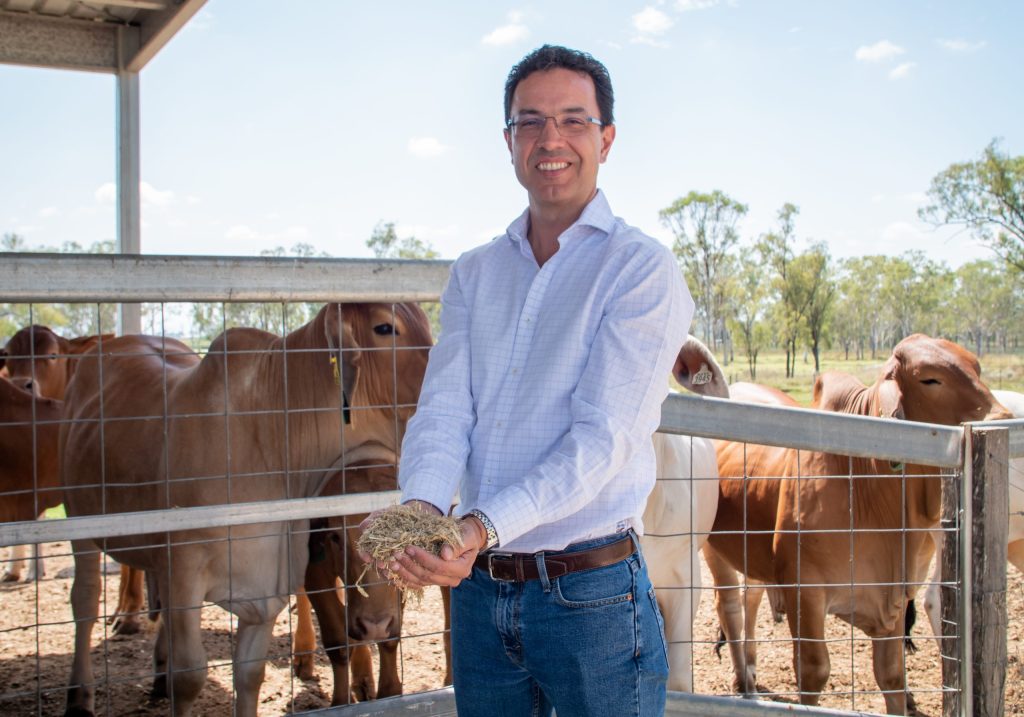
point(596, 214)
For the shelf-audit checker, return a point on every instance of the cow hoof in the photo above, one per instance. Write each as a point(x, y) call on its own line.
point(126, 625)
point(159, 690)
point(9, 577)
point(78, 712)
point(303, 666)
point(363, 691)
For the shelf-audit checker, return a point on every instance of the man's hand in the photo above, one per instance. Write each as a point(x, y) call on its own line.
point(418, 568)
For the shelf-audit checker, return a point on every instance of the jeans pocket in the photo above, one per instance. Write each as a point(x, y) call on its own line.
point(610, 585)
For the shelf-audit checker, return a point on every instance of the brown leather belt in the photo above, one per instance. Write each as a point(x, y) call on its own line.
point(520, 567)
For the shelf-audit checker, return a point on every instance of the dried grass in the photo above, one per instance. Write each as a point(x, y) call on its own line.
point(396, 528)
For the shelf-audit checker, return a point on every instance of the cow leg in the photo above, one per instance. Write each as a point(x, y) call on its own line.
point(130, 602)
point(805, 608)
point(887, 660)
point(85, 605)
point(186, 673)
point(753, 594)
point(363, 686)
point(729, 606)
point(932, 604)
point(446, 601)
point(12, 573)
point(304, 640)
point(253, 641)
point(36, 569)
point(159, 689)
point(320, 588)
point(389, 683)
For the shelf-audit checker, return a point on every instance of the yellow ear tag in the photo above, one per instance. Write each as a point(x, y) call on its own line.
point(334, 370)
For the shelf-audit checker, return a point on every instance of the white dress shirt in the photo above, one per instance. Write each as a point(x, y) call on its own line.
point(546, 383)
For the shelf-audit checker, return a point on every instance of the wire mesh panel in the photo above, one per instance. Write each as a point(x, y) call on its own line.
point(215, 468)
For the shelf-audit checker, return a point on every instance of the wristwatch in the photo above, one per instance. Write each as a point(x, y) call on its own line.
point(492, 534)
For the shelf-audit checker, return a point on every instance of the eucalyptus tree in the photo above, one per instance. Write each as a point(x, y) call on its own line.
point(704, 226)
point(983, 298)
point(815, 284)
point(778, 253)
point(987, 197)
point(748, 320)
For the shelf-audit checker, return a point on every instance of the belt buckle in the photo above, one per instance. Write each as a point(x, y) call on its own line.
point(490, 564)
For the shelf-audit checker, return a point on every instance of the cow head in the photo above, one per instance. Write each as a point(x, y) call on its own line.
point(696, 370)
point(395, 341)
point(41, 361)
point(936, 381)
point(374, 605)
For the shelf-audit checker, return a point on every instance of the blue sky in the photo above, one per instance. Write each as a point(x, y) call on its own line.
point(265, 124)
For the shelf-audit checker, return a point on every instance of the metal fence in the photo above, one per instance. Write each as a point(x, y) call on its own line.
point(970, 479)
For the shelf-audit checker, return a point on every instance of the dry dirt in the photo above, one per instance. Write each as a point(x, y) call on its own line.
point(36, 638)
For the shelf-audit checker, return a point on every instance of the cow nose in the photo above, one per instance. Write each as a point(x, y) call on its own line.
point(372, 628)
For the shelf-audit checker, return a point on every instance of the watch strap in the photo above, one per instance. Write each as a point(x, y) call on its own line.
point(492, 533)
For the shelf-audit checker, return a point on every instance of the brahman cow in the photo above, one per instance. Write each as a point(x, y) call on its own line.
point(841, 535)
point(260, 417)
point(680, 512)
point(39, 360)
point(1014, 402)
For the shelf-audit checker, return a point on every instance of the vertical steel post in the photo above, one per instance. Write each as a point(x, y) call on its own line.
point(129, 204)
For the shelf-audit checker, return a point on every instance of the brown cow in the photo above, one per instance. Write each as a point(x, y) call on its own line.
point(260, 417)
point(826, 521)
point(38, 360)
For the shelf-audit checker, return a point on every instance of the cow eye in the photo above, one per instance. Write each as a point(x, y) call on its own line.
point(931, 382)
point(385, 330)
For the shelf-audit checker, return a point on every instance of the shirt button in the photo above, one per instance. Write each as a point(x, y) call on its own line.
point(499, 424)
point(515, 371)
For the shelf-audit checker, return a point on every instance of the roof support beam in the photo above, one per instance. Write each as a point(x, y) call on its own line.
point(129, 176)
point(41, 41)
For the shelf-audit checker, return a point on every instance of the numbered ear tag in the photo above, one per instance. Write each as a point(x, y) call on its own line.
point(702, 377)
point(335, 371)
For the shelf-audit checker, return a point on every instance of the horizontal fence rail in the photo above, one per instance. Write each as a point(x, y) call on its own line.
point(31, 277)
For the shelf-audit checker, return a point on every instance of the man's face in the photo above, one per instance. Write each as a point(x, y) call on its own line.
point(558, 171)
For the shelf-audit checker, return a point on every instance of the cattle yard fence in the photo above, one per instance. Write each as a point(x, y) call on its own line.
point(972, 459)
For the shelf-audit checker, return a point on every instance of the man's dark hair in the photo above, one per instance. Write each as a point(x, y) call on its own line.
point(548, 57)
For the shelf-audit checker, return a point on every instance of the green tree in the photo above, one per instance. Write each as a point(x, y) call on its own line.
point(777, 251)
point(750, 303)
point(983, 296)
point(704, 226)
point(812, 275)
point(987, 197)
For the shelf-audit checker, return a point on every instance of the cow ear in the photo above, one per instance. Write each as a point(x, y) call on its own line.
point(81, 344)
point(696, 370)
point(345, 355)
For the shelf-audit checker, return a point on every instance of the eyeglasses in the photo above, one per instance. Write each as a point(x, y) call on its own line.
point(569, 125)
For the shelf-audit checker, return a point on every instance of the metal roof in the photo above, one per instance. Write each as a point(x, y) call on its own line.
point(97, 36)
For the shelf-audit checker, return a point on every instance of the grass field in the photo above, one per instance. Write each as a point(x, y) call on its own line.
point(1002, 371)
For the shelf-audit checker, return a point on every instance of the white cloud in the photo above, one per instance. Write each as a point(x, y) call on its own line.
point(245, 233)
point(877, 198)
point(151, 196)
point(48, 212)
point(426, 147)
point(916, 197)
point(901, 236)
point(959, 45)
point(902, 71)
point(879, 52)
point(688, 5)
point(155, 197)
point(509, 34)
point(651, 21)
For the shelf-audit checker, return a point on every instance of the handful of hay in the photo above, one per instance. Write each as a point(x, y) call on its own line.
point(398, 527)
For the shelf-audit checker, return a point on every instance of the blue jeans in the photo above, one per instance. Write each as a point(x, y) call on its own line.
point(587, 644)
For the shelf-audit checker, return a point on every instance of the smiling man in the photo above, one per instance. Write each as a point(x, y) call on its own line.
point(538, 407)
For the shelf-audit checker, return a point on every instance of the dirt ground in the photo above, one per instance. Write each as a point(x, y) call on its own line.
point(36, 638)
